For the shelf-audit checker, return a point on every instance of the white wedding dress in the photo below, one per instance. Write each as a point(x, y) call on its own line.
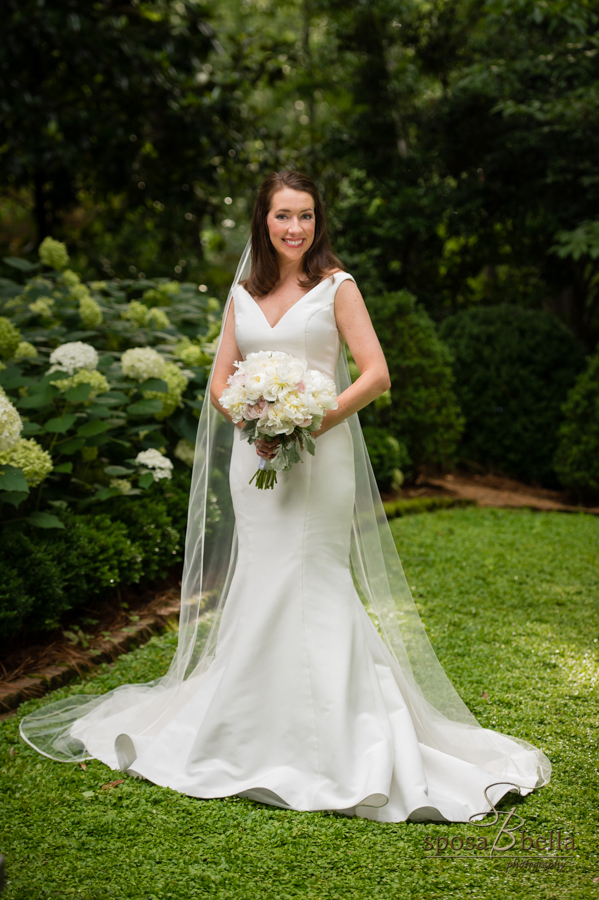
point(302, 706)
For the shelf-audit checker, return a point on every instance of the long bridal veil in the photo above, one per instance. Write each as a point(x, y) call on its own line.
point(441, 719)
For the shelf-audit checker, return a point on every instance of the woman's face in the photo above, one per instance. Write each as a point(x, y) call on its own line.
point(291, 223)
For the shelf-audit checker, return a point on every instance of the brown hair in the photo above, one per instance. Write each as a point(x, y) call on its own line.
point(318, 260)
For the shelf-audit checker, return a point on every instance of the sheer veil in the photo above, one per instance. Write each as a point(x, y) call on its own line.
point(441, 719)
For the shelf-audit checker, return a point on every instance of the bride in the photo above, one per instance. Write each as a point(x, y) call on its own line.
point(303, 676)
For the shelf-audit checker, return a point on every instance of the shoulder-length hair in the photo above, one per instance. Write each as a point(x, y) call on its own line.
point(318, 260)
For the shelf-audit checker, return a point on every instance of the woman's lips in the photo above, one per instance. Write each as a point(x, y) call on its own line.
point(291, 243)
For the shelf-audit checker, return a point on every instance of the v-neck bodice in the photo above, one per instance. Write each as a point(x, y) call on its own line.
point(308, 329)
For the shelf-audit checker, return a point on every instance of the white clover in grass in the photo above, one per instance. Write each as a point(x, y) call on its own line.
point(25, 350)
point(185, 451)
point(53, 253)
point(157, 318)
point(155, 462)
point(141, 363)
point(10, 423)
point(72, 356)
point(90, 312)
point(98, 382)
point(26, 454)
point(43, 306)
point(10, 338)
point(137, 313)
point(177, 382)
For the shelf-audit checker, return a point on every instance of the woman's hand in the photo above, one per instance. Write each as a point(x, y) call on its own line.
point(267, 449)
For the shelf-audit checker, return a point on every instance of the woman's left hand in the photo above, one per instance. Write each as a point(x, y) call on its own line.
point(267, 449)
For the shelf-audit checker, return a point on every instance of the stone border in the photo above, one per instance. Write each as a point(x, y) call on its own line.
point(39, 683)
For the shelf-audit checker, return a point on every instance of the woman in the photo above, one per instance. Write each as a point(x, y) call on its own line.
point(282, 689)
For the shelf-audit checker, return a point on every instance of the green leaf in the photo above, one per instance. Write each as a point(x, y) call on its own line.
point(61, 424)
point(44, 520)
point(71, 446)
point(12, 479)
point(100, 412)
point(30, 428)
point(39, 398)
point(23, 264)
point(13, 497)
point(64, 467)
point(79, 393)
point(117, 470)
point(92, 428)
point(146, 480)
point(154, 384)
point(106, 493)
point(145, 408)
point(14, 379)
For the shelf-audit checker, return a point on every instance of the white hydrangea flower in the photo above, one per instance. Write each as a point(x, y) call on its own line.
point(26, 454)
point(43, 306)
point(121, 484)
point(10, 423)
point(155, 461)
point(177, 382)
point(73, 356)
point(141, 363)
point(25, 350)
point(157, 318)
point(185, 451)
point(90, 312)
point(99, 383)
point(53, 253)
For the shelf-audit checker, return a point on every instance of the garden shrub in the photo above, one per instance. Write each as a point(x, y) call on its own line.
point(577, 456)
point(44, 574)
point(150, 527)
point(423, 415)
point(513, 370)
point(388, 456)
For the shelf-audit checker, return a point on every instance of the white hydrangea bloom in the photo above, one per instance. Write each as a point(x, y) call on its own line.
point(53, 253)
point(155, 461)
point(25, 350)
point(73, 356)
point(10, 423)
point(142, 363)
point(121, 484)
point(26, 454)
point(185, 451)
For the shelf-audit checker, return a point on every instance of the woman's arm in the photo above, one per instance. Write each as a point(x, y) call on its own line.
point(355, 326)
point(228, 354)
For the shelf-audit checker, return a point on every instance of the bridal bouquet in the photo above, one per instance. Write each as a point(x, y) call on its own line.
point(278, 396)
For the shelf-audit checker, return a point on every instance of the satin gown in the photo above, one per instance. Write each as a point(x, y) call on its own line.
point(300, 707)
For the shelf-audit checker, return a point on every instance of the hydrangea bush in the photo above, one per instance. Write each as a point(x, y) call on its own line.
point(100, 386)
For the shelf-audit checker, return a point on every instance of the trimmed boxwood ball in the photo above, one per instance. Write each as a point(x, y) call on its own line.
point(513, 369)
point(577, 457)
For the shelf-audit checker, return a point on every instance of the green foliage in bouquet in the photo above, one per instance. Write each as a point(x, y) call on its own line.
point(100, 385)
point(422, 413)
point(513, 370)
point(577, 456)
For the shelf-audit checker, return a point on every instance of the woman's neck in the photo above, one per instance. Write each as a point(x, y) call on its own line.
point(290, 271)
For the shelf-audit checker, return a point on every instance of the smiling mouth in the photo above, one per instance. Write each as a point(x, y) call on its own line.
point(293, 243)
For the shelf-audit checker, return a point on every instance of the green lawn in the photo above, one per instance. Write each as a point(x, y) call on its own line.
point(510, 602)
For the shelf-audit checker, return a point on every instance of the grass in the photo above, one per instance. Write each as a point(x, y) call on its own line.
point(510, 602)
